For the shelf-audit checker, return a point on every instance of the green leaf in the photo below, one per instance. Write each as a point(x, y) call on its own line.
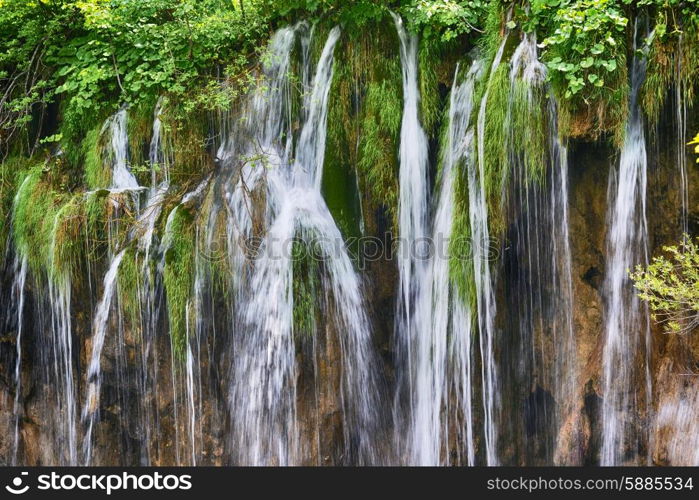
point(609, 65)
point(587, 62)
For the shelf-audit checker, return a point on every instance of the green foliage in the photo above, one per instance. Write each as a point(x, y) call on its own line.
point(36, 205)
point(583, 48)
point(27, 32)
point(443, 20)
point(670, 286)
point(67, 250)
point(495, 152)
point(178, 276)
point(364, 118)
point(351, 13)
point(695, 142)
point(97, 54)
point(461, 272)
point(128, 281)
point(446, 19)
point(97, 173)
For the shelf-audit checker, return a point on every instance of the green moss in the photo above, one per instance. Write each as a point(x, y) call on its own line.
point(378, 145)
point(185, 132)
point(178, 277)
point(74, 129)
point(429, 58)
point(67, 252)
point(97, 173)
point(461, 271)
point(98, 206)
point(36, 205)
point(129, 283)
point(528, 129)
point(495, 155)
point(139, 127)
point(305, 290)
point(364, 118)
point(672, 61)
point(13, 170)
point(493, 31)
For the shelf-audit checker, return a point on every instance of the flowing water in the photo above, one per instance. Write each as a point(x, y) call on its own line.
point(263, 390)
point(485, 297)
point(412, 318)
point(537, 260)
point(281, 362)
point(627, 333)
point(441, 368)
point(19, 271)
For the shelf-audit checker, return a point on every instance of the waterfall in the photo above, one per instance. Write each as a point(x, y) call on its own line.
point(149, 289)
point(122, 178)
point(62, 333)
point(442, 371)
point(566, 366)
point(411, 318)
point(217, 317)
point(157, 154)
point(263, 389)
point(537, 360)
point(311, 152)
point(681, 135)
point(91, 407)
point(485, 297)
point(19, 270)
point(627, 332)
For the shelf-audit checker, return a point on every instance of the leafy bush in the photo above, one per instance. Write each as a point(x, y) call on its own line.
point(670, 285)
point(97, 54)
point(585, 46)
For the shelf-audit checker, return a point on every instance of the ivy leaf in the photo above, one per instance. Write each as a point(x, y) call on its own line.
point(587, 62)
point(609, 65)
point(597, 49)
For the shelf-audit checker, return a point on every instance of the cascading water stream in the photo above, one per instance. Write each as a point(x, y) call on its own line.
point(485, 298)
point(62, 331)
point(263, 387)
point(681, 135)
point(123, 181)
point(442, 367)
point(17, 305)
point(627, 332)
point(311, 151)
point(411, 316)
point(566, 366)
point(122, 178)
point(245, 381)
point(538, 358)
point(90, 411)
